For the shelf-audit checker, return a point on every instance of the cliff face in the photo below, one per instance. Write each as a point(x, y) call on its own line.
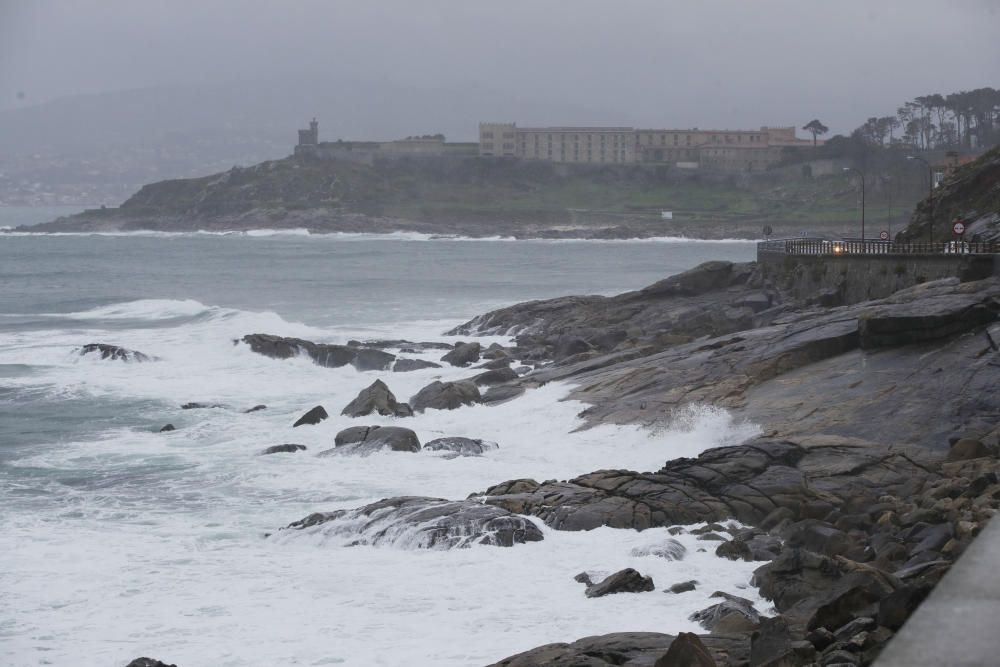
point(971, 193)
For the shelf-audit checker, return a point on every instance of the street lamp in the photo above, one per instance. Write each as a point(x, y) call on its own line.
point(862, 174)
point(930, 192)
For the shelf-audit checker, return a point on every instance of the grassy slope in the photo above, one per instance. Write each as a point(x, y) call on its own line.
point(480, 190)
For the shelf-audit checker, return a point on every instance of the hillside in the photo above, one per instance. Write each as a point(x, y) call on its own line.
point(971, 193)
point(477, 197)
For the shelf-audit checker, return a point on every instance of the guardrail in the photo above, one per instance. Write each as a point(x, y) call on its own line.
point(808, 246)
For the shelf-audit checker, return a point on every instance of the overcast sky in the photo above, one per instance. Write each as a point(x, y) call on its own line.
point(662, 63)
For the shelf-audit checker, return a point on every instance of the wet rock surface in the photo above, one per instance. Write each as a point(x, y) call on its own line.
point(623, 581)
point(312, 417)
point(376, 399)
point(407, 365)
point(323, 354)
point(148, 662)
point(461, 446)
point(114, 353)
point(366, 440)
point(464, 354)
point(425, 523)
point(632, 649)
point(876, 467)
point(282, 449)
point(445, 396)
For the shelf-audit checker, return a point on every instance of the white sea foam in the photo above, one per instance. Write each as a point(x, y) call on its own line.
point(141, 543)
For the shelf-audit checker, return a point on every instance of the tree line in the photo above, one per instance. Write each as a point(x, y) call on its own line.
point(965, 120)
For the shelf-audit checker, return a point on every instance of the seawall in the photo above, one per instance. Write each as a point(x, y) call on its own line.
point(846, 279)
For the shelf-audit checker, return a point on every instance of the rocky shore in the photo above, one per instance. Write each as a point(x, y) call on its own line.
point(876, 465)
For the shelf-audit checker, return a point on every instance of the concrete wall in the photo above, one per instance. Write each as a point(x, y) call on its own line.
point(851, 279)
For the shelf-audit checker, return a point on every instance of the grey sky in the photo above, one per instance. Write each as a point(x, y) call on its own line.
point(726, 63)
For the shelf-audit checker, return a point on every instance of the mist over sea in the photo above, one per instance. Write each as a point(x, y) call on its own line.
point(120, 541)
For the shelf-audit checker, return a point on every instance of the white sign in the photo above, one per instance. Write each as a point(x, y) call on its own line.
point(667, 215)
point(958, 228)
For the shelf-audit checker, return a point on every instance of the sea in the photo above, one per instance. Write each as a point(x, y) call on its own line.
point(118, 541)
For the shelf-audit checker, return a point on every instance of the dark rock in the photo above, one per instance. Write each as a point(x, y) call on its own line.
point(148, 662)
point(376, 399)
point(523, 370)
point(495, 362)
point(772, 643)
point(862, 624)
point(968, 448)
point(502, 394)
point(583, 578)
point(623, 581)
point(201, 406)
point(840, 658)
point(734, 550)
point(425, 523)
point(494, 377)
point(816, 536)
point(314, 416)
point(632, 649)
point(373, 439)
point(256, 408)
point(895, 608)
point(407, 365)
point(820, 638)
point(710, 617)
point(279, 449)
point(852, 595)
point(445, 396)
point(711, 537)
point(323, 354)
point(114, 353)
point(903, 323)
point(683, 587)
point(568, 346)
point(461, 446)
point(168, 428)
point(686, 651)
point(352, 434)
point(463, 354)
point(670, 549)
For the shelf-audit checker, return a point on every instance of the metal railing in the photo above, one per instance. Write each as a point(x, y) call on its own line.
point(812, 246)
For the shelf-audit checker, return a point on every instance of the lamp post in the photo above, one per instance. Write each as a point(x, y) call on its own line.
point(862, 174)
point(930, 193)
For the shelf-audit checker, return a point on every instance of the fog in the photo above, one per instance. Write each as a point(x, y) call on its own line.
point(726, 63)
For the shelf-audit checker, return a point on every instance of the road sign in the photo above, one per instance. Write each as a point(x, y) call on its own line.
point(884, 235)
point(958, 228)
point(767, 230)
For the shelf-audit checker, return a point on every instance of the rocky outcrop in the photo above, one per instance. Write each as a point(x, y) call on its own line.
point(424, 523)
point(376, 399)
point(634, 649)
point(281, 449)
point(727, 611)
point(407, 365)
point(623, 581)
point(461, 446)
point(464, 354)
point(148, 662)
point(366, 440)
point(312, 417)
point(323, 354)
point(445, 396)
point(167, 428)
point(114, 353)
point(495, 377)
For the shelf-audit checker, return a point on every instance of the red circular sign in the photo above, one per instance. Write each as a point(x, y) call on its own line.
point(958, 227)
point(884, 236)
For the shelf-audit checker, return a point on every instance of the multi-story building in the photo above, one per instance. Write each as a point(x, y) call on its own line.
point(725, 150)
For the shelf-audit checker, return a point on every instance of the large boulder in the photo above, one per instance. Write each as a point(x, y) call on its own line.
point(669, 549)
point(463, 354)
point(623, 581)
point(445, 396)
point(148, 662)
point(494, 377)
point(280, 449)
point(113, 353)
point(323, 354)
point(425, 523)
point(710, 617)
point(407, 365)
point(501, 394)
point(378, 399)
point(460, 446)
point(686, 651)
point(312, 417)
point(366, 440)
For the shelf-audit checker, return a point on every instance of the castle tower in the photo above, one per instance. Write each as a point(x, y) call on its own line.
point(309, 137)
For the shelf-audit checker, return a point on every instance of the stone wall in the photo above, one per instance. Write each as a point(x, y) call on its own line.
point(834, 280)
